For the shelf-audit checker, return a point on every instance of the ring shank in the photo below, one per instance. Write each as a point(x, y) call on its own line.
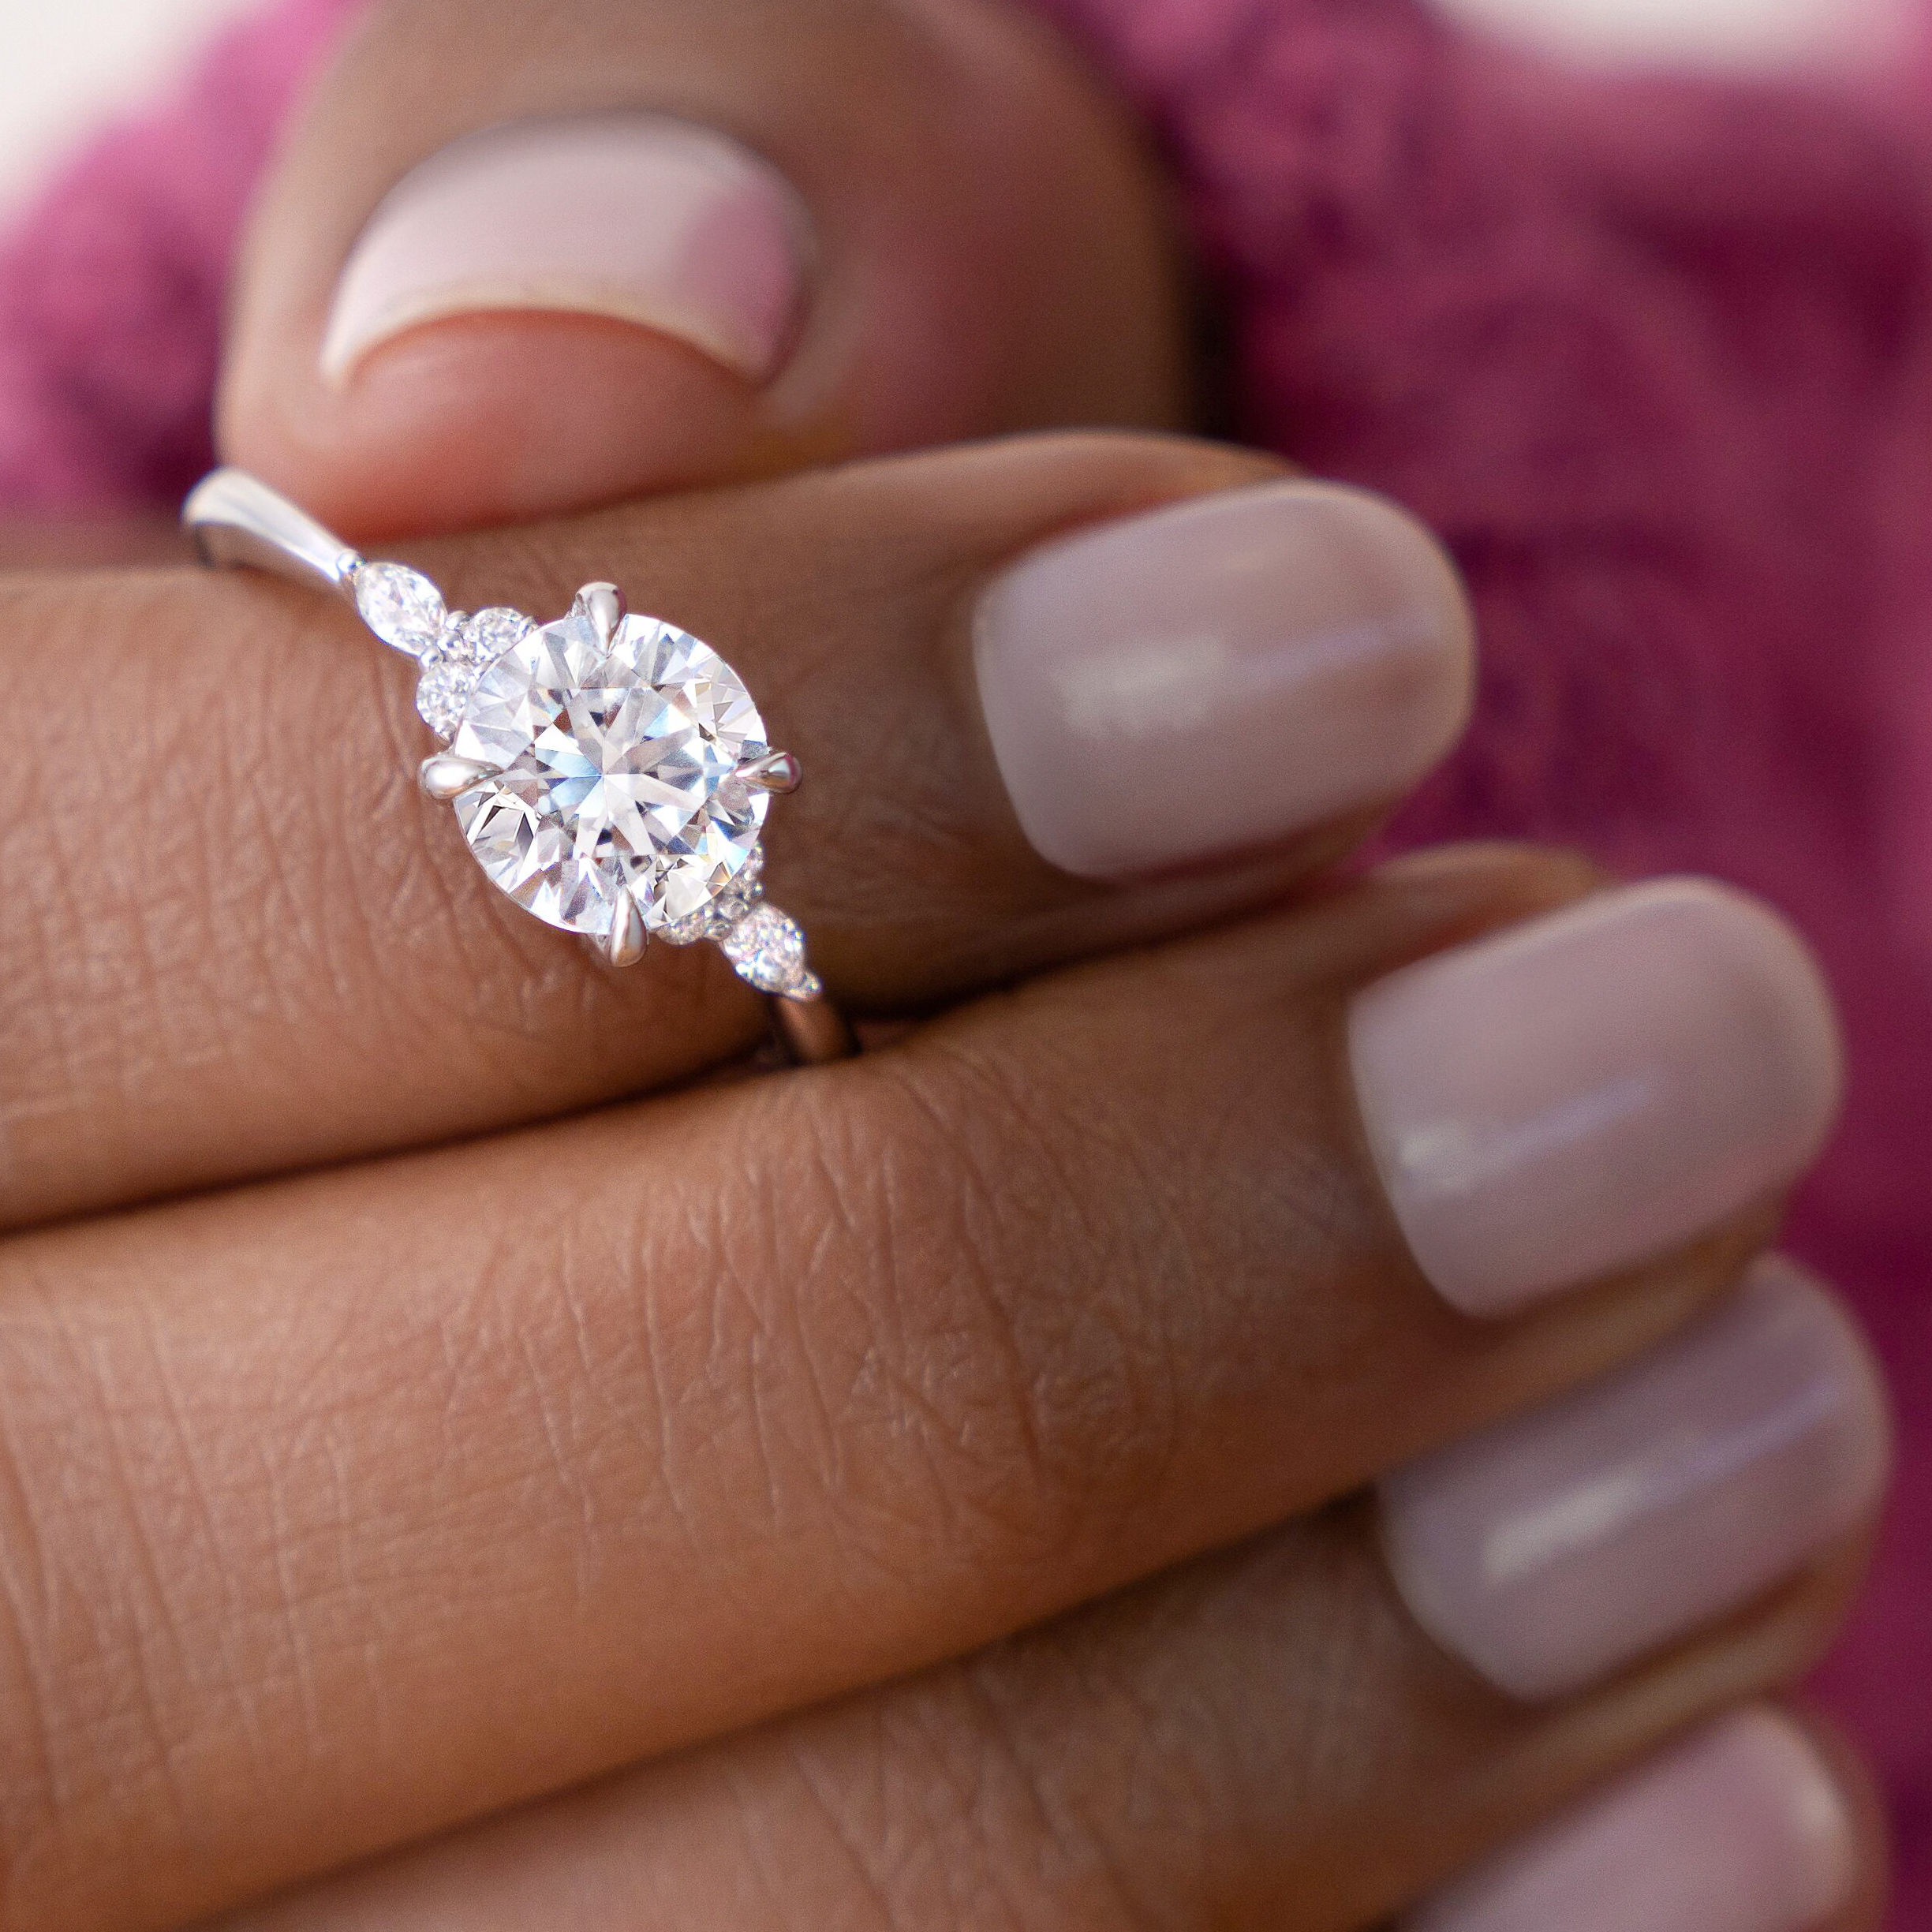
point(237, 522)
point(813, 1033)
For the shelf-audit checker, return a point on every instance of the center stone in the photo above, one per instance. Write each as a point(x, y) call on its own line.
point(608, 771)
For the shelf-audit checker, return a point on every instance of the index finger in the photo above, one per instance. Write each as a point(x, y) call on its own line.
point(1035, 724)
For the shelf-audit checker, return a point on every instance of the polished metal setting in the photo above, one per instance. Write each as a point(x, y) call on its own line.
point(776, 771)
point(604, 605)
point(443, 777)
point(608, 772)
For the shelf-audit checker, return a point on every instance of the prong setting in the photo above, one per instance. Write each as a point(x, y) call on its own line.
point(445, 776)
point(625, 943)
point(776, 771)
point(604, 605)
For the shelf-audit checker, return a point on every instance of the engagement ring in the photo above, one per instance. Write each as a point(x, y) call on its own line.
point(609, 772)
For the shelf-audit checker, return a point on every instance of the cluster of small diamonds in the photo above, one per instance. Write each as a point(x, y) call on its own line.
point(465, 649)
point(716, 918)
point(407, 610)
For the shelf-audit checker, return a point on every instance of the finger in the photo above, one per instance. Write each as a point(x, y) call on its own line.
point(1762, 1822)
point(1262, 1740)
point(64, 545)
point(419, 1489)
point(1867, 1909)
point(238, 939)
point(514, 263)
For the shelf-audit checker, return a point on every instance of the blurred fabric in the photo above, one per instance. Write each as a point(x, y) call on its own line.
point(1654, 353)
point(64, 68)
point(1763, 36)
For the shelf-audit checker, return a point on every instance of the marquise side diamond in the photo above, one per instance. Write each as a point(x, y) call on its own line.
point(767, 948)
point(401, 606)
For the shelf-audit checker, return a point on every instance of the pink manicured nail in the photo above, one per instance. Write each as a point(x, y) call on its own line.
point(1221, 674)
point(1565, 1544)
point(636, 218)
point(1587, 1091)
point(1740, 1828)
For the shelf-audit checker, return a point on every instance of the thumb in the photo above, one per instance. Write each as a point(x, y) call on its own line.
point(518, 260)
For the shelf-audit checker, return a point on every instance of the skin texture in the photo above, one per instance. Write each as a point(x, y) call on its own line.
point(165, 1011)
point(340, 1508)
point(296, 1470)
point(1160, 1760)
point(949, 295)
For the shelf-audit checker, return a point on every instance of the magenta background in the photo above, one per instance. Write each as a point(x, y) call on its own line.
point(1656, 355)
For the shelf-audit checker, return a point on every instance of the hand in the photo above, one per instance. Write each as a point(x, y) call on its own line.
point(346, 1507)
point(1022, 1318)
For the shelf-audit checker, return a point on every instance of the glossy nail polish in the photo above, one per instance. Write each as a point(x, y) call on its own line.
point(1583, 1092)
point(1740, 1827)
point(632, 218)
point(1564, 1544)
point(1224, 672)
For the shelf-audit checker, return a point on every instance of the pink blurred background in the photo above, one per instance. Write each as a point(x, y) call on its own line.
point(1631, 298)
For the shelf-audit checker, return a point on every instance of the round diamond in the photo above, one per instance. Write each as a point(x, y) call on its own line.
point(401, 606)
point(442, 691)
point(608, 773)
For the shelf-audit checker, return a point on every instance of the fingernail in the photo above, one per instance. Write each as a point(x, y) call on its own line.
point(635, 219)
point(1742, 1827)
point(1587, 1091)
point(1567, 1543)
point(1220, 674)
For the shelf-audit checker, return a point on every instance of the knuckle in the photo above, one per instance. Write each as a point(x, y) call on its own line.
point(972, 1817)
point(1031, 1824)
point(972, 1303)
point(91, 1620)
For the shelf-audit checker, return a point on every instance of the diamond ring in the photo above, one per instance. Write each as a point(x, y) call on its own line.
point(609, 772)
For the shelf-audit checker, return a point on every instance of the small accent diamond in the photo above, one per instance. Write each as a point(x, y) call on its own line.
point(767, 948)
point(442, 692)
point(401, 606)
point(714, 920)
point(486, 636)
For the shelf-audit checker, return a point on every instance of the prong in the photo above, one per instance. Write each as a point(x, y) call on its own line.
point(444, 776)
point(604, 605)
point(628, 939)
point(777, 771)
